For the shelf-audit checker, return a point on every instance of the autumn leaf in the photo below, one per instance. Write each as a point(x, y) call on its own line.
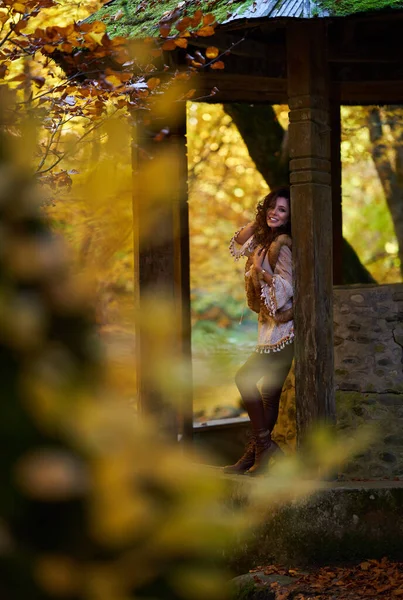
point(19, 7)
point(212, 52)
point(181, 42)
point(183, 24)
point(206, 31)
point(153, 83)
point(218, 65)
point(208, 19)
point(169, 45)
point(196, 19)
point(164, 30)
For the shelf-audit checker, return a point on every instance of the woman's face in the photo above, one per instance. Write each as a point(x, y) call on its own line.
point(278, 214)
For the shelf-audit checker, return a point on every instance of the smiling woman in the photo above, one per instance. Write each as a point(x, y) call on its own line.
point(269, 287)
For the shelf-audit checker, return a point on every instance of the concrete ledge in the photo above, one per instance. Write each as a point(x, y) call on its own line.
point(342, 521)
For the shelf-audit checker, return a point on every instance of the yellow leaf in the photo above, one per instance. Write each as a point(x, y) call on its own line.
point(206, 31)
point(18, 7)
point(97, 37)
point(181, 42)
point(212, 52)
point(113, 80)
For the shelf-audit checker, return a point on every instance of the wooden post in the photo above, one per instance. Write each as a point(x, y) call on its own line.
point(311, 199)
point(162, 271)
point(337, 217)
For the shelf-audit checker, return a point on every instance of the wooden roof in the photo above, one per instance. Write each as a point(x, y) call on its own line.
point(140, 18)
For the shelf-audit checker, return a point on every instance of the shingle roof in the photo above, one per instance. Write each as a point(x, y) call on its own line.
point(139, 18)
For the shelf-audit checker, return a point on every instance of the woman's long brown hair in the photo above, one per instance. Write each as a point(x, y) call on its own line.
point(264, 235)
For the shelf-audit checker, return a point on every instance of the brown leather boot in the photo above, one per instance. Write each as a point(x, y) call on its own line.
point(265, 449)
point(245, 462)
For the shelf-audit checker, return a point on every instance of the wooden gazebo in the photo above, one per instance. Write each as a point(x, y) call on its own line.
point(314, 55)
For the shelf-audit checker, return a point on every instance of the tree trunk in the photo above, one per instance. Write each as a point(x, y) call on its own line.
point(267, 143)
point(390, 176)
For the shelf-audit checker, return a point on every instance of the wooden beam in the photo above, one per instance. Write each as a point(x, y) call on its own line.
point(161, 253)
point(311, 197)
point(371, 92)
point(240, 88)
point(241, 45)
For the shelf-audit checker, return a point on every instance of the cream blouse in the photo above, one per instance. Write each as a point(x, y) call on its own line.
point(272, 336)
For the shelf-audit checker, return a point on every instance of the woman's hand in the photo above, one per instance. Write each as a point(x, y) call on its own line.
point(258, 259)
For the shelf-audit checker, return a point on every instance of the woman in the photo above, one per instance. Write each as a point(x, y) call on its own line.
point(269, 287)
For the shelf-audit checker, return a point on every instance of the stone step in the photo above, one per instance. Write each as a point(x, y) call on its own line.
point(341, 521)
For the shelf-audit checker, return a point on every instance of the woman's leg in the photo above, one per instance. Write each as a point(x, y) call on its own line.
point(246, 379)
point(272, 385)
point(274, 366)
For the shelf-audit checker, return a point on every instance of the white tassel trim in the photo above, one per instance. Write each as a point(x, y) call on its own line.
point(276, 347)
point(269, 298)
point(246, 247)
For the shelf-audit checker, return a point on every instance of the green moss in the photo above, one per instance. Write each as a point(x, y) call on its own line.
point(136, 18)
point(133, 21)
point(349, 7)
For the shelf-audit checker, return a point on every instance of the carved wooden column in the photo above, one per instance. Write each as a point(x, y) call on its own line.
point(311, 197)
point(162, 271)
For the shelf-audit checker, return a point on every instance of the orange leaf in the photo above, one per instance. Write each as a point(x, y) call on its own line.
point(169, 45)
point(206, 31)
point(183, 24)
point(164, 30)
point(197, 17)
point(212, 52)
point(218, 65)
point(153, 83)
point(208, 19)
point(181, 42)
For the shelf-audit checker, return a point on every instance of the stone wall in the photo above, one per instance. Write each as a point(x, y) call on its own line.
point(368, 335)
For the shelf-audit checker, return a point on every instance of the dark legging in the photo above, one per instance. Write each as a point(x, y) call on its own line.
point(273, 368)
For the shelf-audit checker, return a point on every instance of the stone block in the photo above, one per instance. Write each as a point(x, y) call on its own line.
point(341, 521)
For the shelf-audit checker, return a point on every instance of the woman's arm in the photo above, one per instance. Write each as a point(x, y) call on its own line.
point(245, 233)
point(280, 288)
